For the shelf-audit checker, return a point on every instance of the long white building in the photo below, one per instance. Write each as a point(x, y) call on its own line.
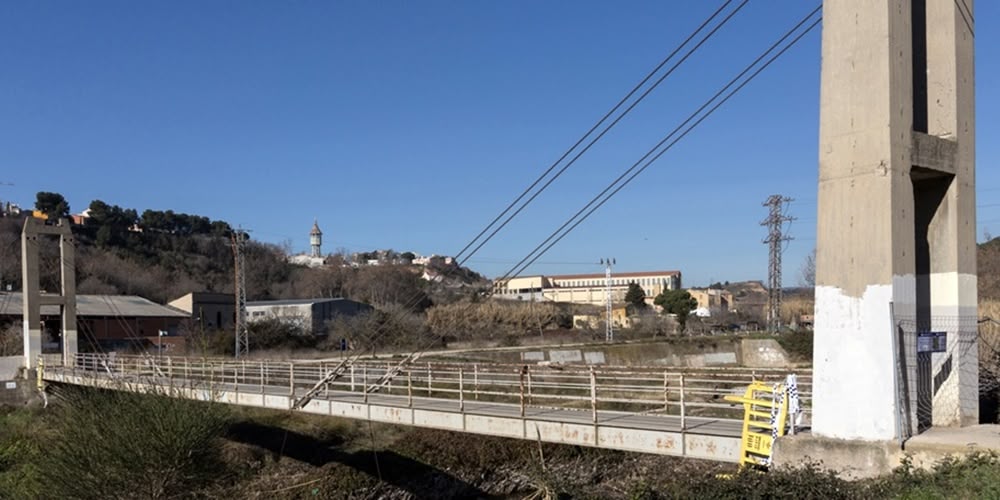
point(585, 288)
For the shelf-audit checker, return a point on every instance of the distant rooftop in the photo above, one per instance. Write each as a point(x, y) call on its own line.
point(11, 304)
point(640, 274)
point(292, 302)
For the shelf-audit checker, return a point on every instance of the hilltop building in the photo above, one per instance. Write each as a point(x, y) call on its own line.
point(315, 256)
point(315, 240)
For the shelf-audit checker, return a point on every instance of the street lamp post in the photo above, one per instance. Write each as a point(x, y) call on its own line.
point(609, 329)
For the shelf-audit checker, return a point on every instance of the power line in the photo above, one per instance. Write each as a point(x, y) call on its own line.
point(711, 110)
point(663, 146)
point(459, 262)
point(593, 141)
point(968, 23)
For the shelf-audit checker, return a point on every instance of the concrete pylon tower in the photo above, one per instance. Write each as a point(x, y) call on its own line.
point(315, 240)
point(32, 296)
point(896, 242)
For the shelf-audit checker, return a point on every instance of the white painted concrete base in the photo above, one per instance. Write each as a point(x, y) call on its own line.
point(853, 390)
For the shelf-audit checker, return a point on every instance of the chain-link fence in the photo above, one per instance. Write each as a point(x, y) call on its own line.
point(936, 376)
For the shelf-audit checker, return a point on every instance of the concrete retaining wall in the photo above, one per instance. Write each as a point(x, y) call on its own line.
point(763, 353)
point(694, 352)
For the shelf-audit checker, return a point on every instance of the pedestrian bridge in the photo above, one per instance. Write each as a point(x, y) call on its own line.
point(638, 409)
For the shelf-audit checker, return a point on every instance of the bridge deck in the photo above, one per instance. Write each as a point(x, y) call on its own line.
point(708, 438)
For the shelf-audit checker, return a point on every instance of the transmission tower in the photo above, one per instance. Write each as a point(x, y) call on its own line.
point(775, 222)
point(609, 328)
point(239, 240)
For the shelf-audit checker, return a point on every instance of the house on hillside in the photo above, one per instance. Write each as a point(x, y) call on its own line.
point(309, 314)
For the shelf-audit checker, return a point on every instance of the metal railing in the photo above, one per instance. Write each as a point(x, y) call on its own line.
point(638, 390)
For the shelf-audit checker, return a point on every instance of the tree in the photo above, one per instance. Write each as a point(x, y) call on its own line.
point(51, 204)
point(807, 275)
point(678, 302)
point(635, 297)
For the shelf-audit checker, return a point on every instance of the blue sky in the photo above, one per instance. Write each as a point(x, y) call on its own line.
point(410, 125)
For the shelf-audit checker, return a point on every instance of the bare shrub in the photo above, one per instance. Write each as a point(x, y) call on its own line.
point(11, 340)
point(494, 319)
point(117, 444)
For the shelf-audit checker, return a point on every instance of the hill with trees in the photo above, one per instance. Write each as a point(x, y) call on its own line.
point(162, 255)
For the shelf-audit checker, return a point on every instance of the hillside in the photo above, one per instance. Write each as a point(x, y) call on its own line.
point(164, 255)
point(988, 261)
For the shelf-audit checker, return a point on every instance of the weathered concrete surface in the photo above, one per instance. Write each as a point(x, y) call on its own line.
point(763, 353)
point(10, 367)
point(896, 218)
point(694, 352)
point(853, 459)
point(849, 459)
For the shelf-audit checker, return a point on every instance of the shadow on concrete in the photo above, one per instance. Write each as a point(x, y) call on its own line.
point(397, 470)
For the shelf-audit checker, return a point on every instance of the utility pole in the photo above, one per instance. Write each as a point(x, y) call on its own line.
point(775, 222)
point(609, 329)
point(4, 284)
point(239, 240)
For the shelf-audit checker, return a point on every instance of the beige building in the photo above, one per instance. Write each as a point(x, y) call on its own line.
point(585, 288)
point(619, 318)
point(712, 301)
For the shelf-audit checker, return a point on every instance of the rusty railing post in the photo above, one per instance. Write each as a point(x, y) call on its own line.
point(593, 394)
point(683, 406)
point(364, 381)
point(461, 390)
point(409, 388)
point(263, 371)
point(291, 380)
point(666, 398)
point(522, 373)
point(527, 372)
point(475, 380)
point(352, 377)
point(428, 379)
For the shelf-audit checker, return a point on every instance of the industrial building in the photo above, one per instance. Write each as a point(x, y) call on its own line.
point(585, 288)
point(208, 310)
point(105, 321)
point(309, 314)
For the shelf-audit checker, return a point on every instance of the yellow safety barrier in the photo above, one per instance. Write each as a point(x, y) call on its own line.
point(40, 374)
point(765, 409)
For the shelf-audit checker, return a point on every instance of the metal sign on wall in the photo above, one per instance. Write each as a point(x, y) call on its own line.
point(932, 341)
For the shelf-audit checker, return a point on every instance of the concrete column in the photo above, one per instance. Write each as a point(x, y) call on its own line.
point(31, 312)
point(32, 298)
point(896, 221)
point(67, 254)
point(951, 231)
